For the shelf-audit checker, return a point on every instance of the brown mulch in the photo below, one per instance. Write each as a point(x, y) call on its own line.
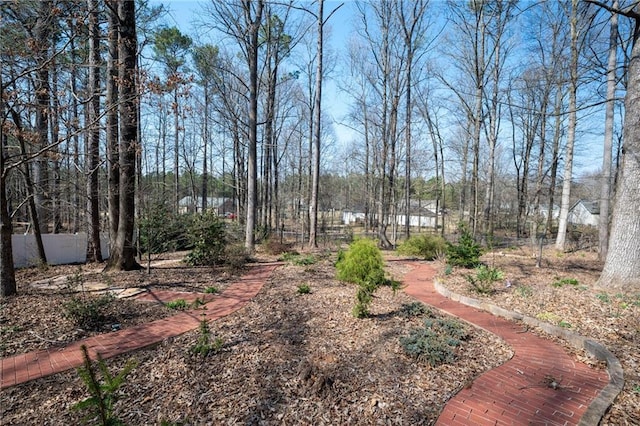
point(286, 358)
point(290, 358)
point(611, 317)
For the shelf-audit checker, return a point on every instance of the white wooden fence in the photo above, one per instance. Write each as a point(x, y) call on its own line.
point(60, 248)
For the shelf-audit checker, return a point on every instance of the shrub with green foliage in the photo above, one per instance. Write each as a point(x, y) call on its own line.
point(414, 309)
point(426, 247)
point(466, 253)
point(208, 236)
point(205, 345)
point(162, 231)
point(363, 265)
point(88, 312)
point(304, 289)
point(103, 392)
point(435, 343)
point(484, 279)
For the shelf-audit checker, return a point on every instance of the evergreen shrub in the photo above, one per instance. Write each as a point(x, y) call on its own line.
point(466, 253)
point(427, 247)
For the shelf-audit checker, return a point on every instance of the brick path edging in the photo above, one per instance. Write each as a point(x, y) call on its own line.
point(598, 408)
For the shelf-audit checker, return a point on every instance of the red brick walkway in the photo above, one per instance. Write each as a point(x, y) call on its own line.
point(22, 368)
point(518, 392)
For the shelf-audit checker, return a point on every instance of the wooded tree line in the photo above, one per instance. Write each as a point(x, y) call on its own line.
point(479, 105)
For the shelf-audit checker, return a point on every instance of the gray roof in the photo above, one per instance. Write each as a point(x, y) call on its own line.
point(592, 207)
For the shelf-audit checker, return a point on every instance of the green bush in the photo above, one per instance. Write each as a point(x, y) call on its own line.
point(208, 237)
point(484, 279)
point(304, 289)
point(362, 264)
point(414, 309)
point(162, 231)
point(466, 253)
point(435, 343)
point(205, 345)
point(88, 312)
point(427, 247)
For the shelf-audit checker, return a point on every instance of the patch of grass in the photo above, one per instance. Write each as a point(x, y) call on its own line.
point(524, 291)
point(212, 290)
point(561, 282)
point(603, 297)
point(564, 324)
point(549, 317)
point(304, 289)
point(178, 304)
point(435, 343)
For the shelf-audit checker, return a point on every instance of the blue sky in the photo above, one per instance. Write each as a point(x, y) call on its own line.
point(182, 13)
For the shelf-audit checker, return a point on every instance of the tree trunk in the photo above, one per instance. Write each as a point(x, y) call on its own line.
point(7, 272)
point(315, 183)
point(205, 142)
point(111, 105)
point(252, 177)
point(33, 208)
point(176, 148)
point(94, 253)
point(622, 265)
point(42, 32)
point(571, 131)
point(605, 185)
point(123, 253)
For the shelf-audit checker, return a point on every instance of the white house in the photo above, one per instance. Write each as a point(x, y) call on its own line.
point(584, 212)
point(194, 204)
point(424, 218)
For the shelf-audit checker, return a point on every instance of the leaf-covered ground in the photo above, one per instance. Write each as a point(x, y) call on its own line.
point(290, 358)
point(563, 291)
point(286, 357)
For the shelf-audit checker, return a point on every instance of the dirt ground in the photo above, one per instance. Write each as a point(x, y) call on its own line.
point(291, 358)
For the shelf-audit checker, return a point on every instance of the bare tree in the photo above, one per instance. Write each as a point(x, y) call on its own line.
point(571, 130)
point(94, 253)
point(605, 188)
point(241, 21)
point(622, 264)
point(315, 181)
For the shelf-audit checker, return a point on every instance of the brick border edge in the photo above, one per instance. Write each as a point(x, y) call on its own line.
point(600, 405)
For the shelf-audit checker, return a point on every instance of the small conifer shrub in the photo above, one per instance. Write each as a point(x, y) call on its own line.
point(363, 265)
